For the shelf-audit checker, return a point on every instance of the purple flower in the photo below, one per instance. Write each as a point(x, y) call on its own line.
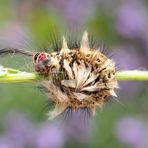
point(77, 124)
point(5, 142)
point(19, 130)
point(132, 132)
point(78, 11)
point(13, 34)
point(74, 12)
point(21, 133)
point(128, 59)
point(132, 19)
point(50, 135)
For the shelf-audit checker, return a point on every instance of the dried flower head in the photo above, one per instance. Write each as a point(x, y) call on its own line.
point(87, 77)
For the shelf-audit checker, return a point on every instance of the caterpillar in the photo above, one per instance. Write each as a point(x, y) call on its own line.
point(86, 80)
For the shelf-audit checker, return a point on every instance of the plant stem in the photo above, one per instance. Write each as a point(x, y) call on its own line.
point(132, 75)
point(20, 77)
point(8, 75)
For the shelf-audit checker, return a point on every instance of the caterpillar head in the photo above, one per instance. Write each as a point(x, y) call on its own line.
point(40, 61)
point(45, 63)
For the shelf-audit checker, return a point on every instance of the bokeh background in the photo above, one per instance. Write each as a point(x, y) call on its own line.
point(120, 25)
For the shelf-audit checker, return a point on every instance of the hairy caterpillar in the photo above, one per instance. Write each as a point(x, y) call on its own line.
point(87, 76)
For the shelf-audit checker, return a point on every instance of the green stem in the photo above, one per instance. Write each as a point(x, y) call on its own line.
point(8, 75)
point(20, 77)
point(132, 75)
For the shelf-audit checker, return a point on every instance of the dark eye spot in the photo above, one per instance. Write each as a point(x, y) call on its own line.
point(43, 70)
point(61, 62)
point(109, 75)
point(36, 56)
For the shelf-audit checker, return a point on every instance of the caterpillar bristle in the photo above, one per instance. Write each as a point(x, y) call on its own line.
point(69, 114)
point(64, 51)
point(84, 47)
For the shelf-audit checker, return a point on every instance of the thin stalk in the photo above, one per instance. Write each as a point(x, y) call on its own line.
point(132, 75)
point(8, 75)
